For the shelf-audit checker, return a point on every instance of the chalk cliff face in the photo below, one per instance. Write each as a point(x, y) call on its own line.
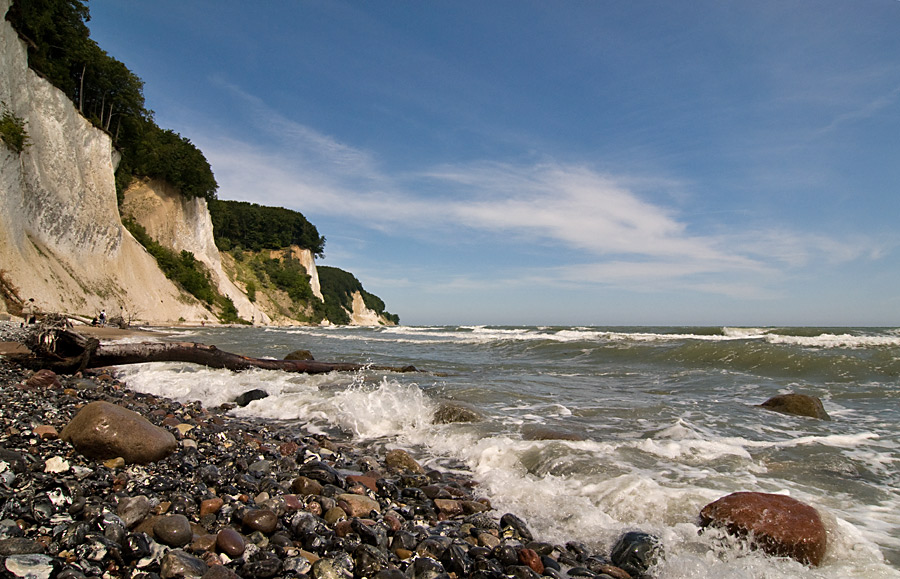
point(61, 239)
point(185, 225)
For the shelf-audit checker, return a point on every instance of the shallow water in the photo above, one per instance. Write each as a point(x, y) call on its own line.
point(588, 432)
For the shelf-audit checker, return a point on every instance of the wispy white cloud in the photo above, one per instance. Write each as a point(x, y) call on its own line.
point(633, 242)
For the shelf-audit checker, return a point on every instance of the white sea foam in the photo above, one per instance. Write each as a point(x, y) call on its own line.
point(835, 341)
point(651, 476)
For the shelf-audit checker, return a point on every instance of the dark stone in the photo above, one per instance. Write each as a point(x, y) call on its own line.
point(176, 564)
point(456, 560)
point(635, 552)
point(230, 542)
point(262, 520)
point(510, 523)
point(16, 460)
point(173, 530)
point(263, 566)
point(797, 405)
point(426, 568)
point(368, 560)
point(777, 524)
point(319, 471)
point(300, 355)
point(19, 546)
point(249, 396)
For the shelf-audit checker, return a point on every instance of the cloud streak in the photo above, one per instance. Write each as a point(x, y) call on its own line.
point(607, 230)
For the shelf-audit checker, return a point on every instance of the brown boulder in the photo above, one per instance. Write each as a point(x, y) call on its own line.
point(102, 430)
point(797, 404)
point(399, 460)
point(777, 524)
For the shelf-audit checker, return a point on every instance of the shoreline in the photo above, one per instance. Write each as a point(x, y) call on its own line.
point(291, 503)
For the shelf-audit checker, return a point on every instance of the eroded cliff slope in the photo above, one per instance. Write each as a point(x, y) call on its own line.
point(61, 239)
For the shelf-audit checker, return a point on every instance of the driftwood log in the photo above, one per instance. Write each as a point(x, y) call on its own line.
point(64, 351)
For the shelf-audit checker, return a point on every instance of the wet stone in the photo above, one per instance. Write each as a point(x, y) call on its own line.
point(230, 542)
point(173, 530)
point(133, 510)
point(262, 520)
point(176, 564)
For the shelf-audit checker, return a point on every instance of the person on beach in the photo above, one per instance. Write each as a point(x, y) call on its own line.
point(102, 317)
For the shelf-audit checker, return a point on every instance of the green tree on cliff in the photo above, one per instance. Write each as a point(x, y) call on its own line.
point(109, 94)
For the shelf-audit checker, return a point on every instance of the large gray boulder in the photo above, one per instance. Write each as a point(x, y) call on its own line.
point(102, 431)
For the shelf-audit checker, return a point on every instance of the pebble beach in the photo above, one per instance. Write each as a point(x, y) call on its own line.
point(246, 498)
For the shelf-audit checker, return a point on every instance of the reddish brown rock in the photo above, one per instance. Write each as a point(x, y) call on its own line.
point(306, 486)
point(230, 542)
point(449, 507)
point(102, 430)
point(211, 506)
point(777, 524)
point(43, 379)
point(357, 505)
point(45, 432)
point(262, 520)
point(530, 558)
point(366, 481)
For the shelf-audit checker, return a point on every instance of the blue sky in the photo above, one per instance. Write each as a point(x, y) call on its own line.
point(573, 162)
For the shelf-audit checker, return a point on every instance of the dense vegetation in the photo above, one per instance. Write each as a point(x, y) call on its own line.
point(106, 92)
point(337, 289)
point(238, 224)
point(184, 269)
point(12, 130)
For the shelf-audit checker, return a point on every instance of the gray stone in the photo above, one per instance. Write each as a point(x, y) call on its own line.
point(173, 530)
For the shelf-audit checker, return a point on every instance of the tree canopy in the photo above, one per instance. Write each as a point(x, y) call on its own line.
point(337, 289)
point(107, 93)
point(257, 227)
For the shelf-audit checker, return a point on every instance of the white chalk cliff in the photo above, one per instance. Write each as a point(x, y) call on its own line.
point(62, 242)
point(61, 239)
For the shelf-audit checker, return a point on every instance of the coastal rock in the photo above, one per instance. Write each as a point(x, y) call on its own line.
point(43, 379)
point(133, 510)
point(400, 461)
point(797, 404)
point(300, 355)
point(357, 505)
point(777, 524)
point(635, 552)
point(262, 520)
point(249, 396)
point(230, 542)
point(102, 430)
point(173, 530)
point(178, 564)
point(453, 412)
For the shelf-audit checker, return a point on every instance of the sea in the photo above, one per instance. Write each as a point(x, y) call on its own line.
point(589, 432)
